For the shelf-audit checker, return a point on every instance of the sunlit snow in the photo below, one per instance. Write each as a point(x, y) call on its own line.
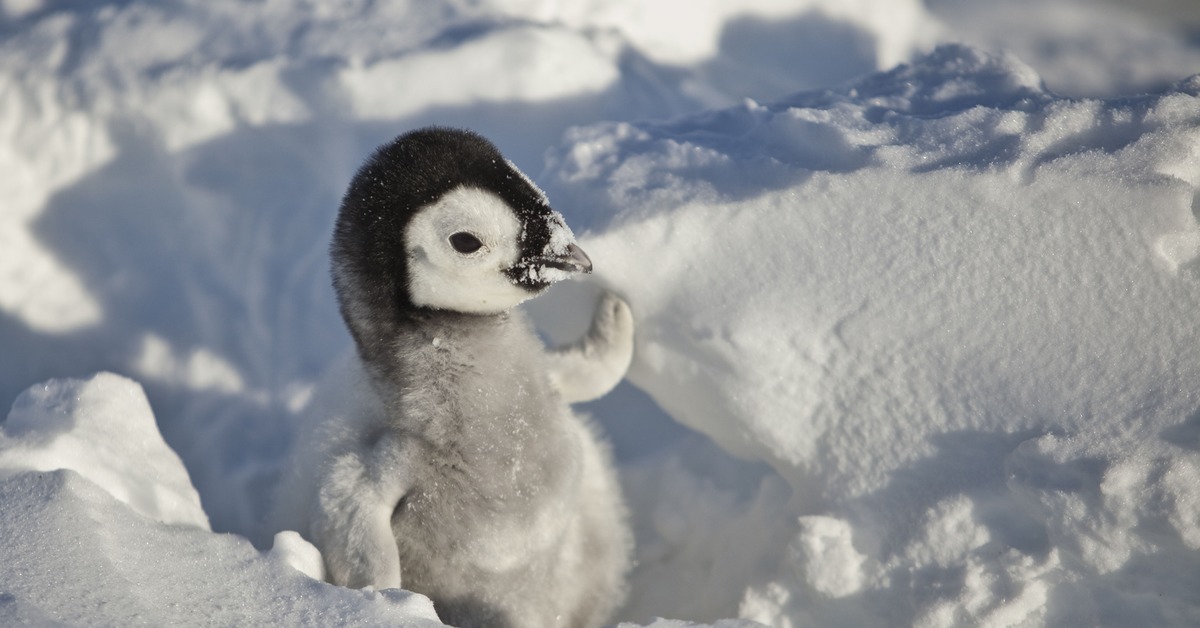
point(915, 290)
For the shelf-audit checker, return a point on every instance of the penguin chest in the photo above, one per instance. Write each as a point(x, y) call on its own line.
point(501, 474)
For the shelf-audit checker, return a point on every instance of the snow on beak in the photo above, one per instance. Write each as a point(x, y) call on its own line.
point(574, 260)
point(561, 252)
point(559, 257)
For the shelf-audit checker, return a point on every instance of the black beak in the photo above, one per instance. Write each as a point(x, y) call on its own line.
point(573, 261)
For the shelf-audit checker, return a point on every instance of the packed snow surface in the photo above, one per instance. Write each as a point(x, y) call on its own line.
point(955, 313)
point(929, 324)
point(112, 533)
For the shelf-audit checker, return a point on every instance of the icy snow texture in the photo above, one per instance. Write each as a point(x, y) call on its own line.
point(103, 429)
point(1085, 48)
point(950, 309)
point(101, 526)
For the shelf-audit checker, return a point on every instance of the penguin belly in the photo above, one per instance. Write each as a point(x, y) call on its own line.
point(515, 516)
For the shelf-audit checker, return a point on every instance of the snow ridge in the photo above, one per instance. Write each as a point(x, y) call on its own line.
point(896, 307)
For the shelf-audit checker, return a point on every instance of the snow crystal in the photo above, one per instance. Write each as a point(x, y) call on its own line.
point(544, 274)
point(561, 235)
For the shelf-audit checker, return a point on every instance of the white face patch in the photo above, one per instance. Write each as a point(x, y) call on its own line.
point(444, 278)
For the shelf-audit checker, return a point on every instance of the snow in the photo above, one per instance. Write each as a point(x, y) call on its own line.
point(916, 333)
point(104, 430)
point(1133, 46)
point(101, 525)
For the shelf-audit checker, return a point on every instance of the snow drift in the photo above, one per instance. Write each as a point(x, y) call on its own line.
point(944, 316)
point(101, 526)
point(955, 312)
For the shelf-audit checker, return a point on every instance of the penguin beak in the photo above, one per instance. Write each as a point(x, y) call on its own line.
point(574, 260)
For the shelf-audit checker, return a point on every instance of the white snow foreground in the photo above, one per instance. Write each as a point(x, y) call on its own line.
point(101, 526)
point(956, 313)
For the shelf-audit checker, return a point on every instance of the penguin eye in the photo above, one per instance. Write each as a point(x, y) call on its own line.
point(464, 242)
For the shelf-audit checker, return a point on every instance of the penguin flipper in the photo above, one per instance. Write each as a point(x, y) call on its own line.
point(593, 366)
point(352, 525)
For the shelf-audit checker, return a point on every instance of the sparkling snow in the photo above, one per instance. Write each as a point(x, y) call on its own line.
point(916, 318)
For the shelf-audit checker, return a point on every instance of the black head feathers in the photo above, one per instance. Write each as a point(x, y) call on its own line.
point(372, 268)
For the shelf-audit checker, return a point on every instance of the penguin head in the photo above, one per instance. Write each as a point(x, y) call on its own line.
point(439, 220)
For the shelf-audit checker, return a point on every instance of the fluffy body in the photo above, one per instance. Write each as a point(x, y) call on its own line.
point(445, 458)
point(515, 520)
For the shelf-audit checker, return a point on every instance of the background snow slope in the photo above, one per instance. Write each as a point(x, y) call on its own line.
point(949, 310)
point(962, 329)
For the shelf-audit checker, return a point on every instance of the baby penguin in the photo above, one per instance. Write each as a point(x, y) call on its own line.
point(445, 459)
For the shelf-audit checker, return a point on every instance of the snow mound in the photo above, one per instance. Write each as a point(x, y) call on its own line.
point(955, 312)
point(101, 526)
point(103, 429)
point(1084, 48)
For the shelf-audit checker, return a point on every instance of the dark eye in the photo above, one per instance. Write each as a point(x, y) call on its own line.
point(464, 242)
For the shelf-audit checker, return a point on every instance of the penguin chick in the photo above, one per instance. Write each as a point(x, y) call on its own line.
point(447, 460)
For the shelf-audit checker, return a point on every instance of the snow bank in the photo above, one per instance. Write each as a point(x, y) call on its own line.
point(1084, 48)
point(101, 526)
point(956, 313)
point(103, 429)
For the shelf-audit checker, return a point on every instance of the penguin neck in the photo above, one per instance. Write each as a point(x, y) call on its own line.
point(421, 336)
point(468, 381)
point(427, 324)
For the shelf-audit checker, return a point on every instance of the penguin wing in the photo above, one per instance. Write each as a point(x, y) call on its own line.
point(593, 366)
point(352, 519)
